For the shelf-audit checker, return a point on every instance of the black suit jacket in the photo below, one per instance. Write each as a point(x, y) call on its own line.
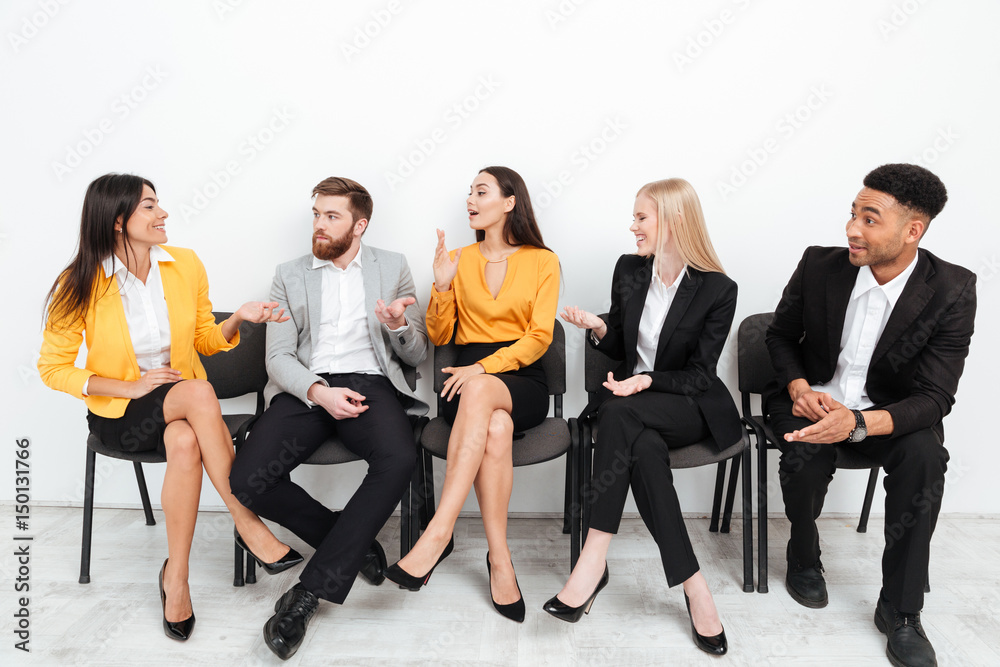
point(919, 358)
point(691, 340)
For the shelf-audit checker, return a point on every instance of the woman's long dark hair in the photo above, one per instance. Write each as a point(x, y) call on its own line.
point(109, 198)
point(520, 227)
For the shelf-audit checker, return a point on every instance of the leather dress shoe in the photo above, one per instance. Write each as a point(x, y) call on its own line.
point(284, 632)
point(908, 645)
point(806, 584)
point(374, 564)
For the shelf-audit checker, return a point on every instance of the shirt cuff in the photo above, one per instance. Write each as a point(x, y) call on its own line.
point(399, 330)
point(86, 383)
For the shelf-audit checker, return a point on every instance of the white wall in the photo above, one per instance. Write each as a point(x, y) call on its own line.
point(178, 92)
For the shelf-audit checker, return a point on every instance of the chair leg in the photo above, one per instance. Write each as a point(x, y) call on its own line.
point(734, 475)
point(587, 468)
point(747, 524)
point(140, 479)
point(88, 516)
point(409, 513)
point(720, 478)
point(427, 488)
point(572, 512)
point(761, 515)
point(238, 580)
point(567, 528)
point(251, 570)
point(869, 496)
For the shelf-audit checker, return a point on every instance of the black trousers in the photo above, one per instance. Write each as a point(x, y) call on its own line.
point(914, 466)
point(287, 433)
point(634, 437)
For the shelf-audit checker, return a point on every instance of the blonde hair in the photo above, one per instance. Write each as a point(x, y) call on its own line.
point(678, 213)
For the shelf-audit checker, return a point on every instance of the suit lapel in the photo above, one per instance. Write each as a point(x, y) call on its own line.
point(314, 300)
point(682, 299)
point(839, 285)
point(371, 275)
point(633, 307)
point(170, 281)
point(914, 298)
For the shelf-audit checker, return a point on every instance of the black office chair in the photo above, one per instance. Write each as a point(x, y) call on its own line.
point(549, 440)
point(232, 373)
point(755, 374)
point(597, 365)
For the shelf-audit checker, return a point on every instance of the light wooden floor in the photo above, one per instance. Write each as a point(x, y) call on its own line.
point(637, 620)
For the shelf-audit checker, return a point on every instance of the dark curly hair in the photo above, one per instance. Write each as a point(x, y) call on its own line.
point(912, 186)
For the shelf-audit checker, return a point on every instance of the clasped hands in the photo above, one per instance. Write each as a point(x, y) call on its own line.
point(833, 421)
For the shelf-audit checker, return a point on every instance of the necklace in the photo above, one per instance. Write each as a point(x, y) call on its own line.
point(496, 261)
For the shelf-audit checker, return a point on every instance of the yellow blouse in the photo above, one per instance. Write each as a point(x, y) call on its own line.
point(524, 309)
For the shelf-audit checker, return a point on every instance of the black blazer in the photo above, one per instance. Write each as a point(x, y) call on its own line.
point(691, 341)
point(919, 358)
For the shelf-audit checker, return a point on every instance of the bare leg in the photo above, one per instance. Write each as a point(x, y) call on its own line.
point(481, 396)
point(179, 499)
point(589, 569)
point(493, 487)
point(703, 611)
point(194, 401)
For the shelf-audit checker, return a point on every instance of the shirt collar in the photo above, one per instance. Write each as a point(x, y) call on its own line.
point(672, 286)
point(319, 263)
point(112, 265)
point(892, 289)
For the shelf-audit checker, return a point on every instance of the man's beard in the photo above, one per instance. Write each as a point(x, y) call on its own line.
point(334, 248)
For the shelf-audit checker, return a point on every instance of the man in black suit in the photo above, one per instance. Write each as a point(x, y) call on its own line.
point(868, 344)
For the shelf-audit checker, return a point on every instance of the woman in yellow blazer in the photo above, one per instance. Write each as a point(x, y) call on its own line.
point(144, 311)
point(499, 296)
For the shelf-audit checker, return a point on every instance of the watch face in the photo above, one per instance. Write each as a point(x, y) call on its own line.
point(859, 434)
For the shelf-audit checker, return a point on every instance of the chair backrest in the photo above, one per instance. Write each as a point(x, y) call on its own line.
point(596, 366)
point(553, 362)
point(241, 370)
point(755, 369)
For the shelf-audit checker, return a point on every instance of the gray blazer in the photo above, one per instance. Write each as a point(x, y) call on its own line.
point(297, 288)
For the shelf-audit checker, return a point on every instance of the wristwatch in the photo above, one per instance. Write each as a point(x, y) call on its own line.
point(860, 431)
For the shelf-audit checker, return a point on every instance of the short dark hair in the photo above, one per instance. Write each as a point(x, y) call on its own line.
point(359, 202)
point(912, 186)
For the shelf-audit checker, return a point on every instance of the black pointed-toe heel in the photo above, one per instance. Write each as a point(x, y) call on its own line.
point(179, 630)
point(716, 645)
point(291, 559)
point(404, 579)
point(564, 612)
point(515, 610)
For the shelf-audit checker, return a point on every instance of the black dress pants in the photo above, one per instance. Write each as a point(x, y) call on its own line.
point(287, 433)
point(914, 466)
point(634, 437)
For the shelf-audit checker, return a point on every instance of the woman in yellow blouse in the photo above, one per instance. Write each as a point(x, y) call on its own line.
point(502, 293)
point(144, 310)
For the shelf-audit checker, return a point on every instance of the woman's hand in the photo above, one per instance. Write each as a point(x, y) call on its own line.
point(260, 311)
point(392, 315)
point(444, 268)
point(459, 376)
point(632, 385)
point(584, 320)
point(152, 380)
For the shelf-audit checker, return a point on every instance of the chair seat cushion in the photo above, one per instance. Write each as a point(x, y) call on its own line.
point(332, 452)
point(234, 422)
point(847, 458)
point(152, 456)
point(544, 442)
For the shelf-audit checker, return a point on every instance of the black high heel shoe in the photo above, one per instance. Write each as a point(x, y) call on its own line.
point(291, 559)
point(563, 611)
point(404, 579)
point(179, 630)
point(716, 645)
point(515, 610)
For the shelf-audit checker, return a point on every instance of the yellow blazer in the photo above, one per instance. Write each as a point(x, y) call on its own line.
point(109, 344)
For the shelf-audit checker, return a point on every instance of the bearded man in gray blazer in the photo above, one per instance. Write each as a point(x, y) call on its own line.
point(334, 368)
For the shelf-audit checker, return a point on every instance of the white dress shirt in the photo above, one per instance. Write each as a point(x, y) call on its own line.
point(145, 310)
point(654, 313)
point(868, 312)
point(344, 343)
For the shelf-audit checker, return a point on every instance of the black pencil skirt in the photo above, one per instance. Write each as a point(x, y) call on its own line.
point(140, 429)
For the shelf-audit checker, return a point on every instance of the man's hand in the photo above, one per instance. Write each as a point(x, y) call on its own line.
point(813, 405)
point(459, 376)
point(392, 315)
point(629, 386)
point(340, 402)
point(832, 428)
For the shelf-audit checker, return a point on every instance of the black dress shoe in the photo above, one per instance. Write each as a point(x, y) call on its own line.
point(373, 566)
point(179, 630)
point(806, 585)
point(284, 632)
point(716, 645)
point(515, 610)
point(291, 559)
point(908, 645)
point(563, 611)
point(404, 579)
